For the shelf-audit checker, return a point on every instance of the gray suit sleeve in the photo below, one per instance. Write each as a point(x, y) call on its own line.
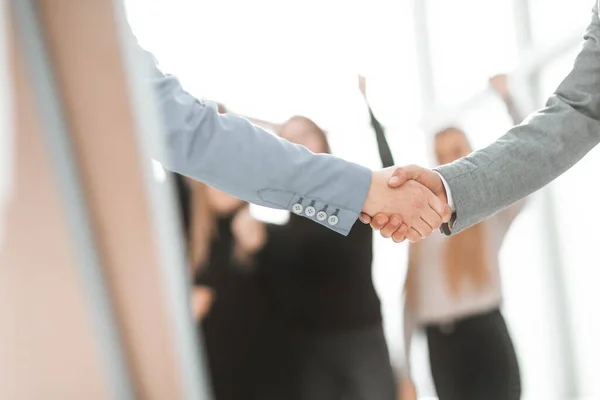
point(530, 155)
point(233, 155)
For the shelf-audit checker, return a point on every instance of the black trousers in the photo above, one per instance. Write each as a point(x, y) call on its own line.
point(474, 359)
point(352, 365)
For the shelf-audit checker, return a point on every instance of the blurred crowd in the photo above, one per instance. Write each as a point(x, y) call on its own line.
point(290, 311)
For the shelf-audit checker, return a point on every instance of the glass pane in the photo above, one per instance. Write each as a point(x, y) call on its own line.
point(468, 45)
point(578, 236)
point(552, 75)
point(554, 20)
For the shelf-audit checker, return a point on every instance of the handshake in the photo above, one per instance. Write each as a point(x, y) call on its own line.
point(406, 203)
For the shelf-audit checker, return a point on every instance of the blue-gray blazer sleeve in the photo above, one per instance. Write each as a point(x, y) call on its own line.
point(233, 155)
point(535, 152)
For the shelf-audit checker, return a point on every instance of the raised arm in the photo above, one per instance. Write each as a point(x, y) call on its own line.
point(270, 126)
point(503, 87)
point(534, 153)
point(506, 88)
point(529, 156)
point(385, 153)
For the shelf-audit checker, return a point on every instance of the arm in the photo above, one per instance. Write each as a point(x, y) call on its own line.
point(506, 87)
point(410, 299)
point(409, 325)
point(270, 126)
point(202, 299)
point(229, 153)
point(249, 233)
point(385, 153)
point(531, 155)
point(513, 111)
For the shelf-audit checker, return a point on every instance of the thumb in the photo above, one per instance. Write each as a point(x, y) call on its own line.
point(364, 218)
point(403, 174)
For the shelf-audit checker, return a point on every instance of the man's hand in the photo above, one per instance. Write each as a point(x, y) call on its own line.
point(392, 226)
point(414, 211)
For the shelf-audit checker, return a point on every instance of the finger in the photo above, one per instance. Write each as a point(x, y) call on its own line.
point(402, 174)
point(400, 235)
point(364, 218)
point(413, 236)
point(447, 214)
point(379, 221)
point(388, 230)
point(431, 218)
point(440, 207)
point(423, 228)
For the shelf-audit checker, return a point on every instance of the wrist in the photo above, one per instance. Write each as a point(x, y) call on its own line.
point(444, 193)
point(372, 203)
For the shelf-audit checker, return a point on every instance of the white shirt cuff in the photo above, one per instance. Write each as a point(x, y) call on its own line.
point(448, 192)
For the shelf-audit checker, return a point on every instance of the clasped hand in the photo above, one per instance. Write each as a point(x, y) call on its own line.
point(406, 203)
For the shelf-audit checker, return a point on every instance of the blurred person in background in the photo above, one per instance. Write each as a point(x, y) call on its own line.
point(226, 300)
point(525, 159)
point(202, 296)
point(232, 154)
point(320, 288)
point(453, 290)
point(233, 330)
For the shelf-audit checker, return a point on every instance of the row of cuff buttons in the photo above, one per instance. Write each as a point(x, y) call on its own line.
point(310, 211)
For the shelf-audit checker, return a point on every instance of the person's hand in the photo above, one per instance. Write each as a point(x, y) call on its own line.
point(413, 210)
point(250, 234)
point(222, 109)
point(390, 223)
point(202, 299)
point(500, 85)
point(407, 390)
point(362, 85)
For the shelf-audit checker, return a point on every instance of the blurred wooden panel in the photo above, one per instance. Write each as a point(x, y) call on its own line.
point(84, 47)
point(47, 346)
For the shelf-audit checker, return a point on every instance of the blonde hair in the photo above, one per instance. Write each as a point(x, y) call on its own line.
point(466, 255)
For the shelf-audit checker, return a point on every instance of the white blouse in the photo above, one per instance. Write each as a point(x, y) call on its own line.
point(435, 304)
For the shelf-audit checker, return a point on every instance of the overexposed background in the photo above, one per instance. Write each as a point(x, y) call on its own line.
point(272, 59)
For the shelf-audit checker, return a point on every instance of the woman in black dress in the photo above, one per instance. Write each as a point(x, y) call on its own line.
point(320, 290)
point(226, 298)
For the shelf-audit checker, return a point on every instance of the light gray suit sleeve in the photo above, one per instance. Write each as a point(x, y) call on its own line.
point(534, 153)
point(233, 155)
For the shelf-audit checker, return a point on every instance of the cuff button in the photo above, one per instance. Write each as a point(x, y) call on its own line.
point(321, 216)
point(310, 211)
point(333, 220)
point(297, 208)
